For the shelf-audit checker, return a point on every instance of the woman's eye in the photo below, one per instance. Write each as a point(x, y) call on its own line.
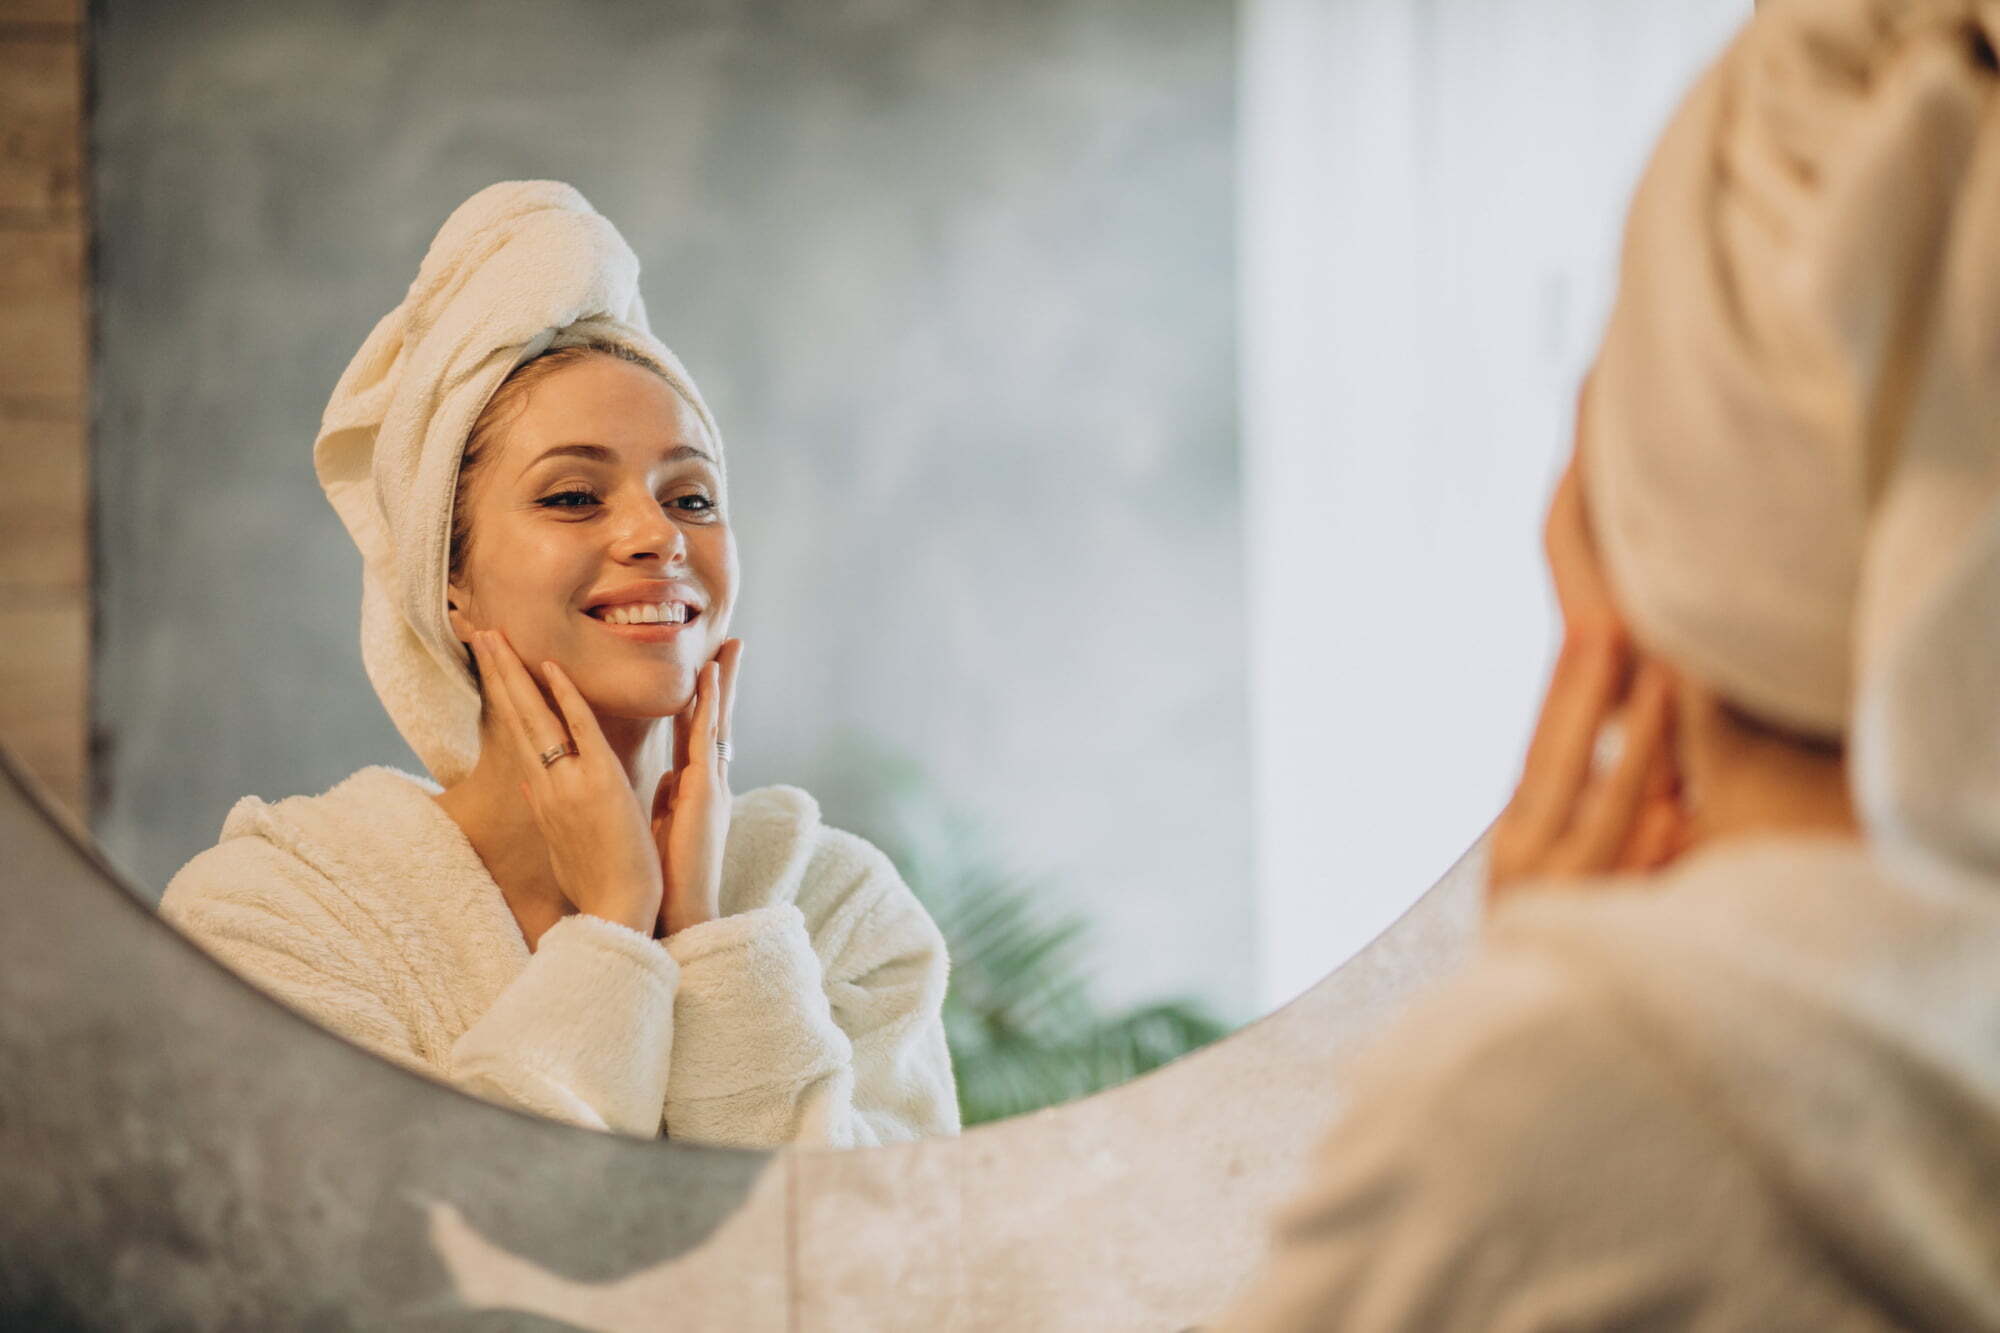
point(695, 503)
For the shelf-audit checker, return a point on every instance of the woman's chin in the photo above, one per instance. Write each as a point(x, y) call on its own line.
point(636, 695)
point(650, 706)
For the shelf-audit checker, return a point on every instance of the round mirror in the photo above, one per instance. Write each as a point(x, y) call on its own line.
point(1139, 418)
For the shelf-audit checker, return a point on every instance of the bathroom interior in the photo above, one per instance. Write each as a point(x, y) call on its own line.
point(1140, 415)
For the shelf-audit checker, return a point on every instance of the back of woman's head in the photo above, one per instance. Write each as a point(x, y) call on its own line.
point(1794, 421)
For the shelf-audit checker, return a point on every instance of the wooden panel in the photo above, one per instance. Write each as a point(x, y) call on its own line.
point(44, 501)
point(52, 747)
point(44, 692)
point(44, 515)
point(39, 13)
point(41, 313)
point(42, 659)
point(41, 130)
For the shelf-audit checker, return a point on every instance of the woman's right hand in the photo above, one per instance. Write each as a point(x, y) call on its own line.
point(691, 806)
point(600, 844)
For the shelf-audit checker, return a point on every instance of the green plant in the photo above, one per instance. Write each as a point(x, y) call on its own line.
point(1024, 1029)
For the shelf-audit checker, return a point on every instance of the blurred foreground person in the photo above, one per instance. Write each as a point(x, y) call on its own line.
point(1730, 1056)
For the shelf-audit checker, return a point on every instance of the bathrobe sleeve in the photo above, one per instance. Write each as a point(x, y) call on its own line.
point(1515, 1157)
point(816, 1022)
point(583, 1034)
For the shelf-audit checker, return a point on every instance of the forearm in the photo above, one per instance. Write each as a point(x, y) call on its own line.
point(771, 1050)
point(754, 1031)
point(585, 1034)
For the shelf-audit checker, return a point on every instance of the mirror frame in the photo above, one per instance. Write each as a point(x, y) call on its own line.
point(177, 1145)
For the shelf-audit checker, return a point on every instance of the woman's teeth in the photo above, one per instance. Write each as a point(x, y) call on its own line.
point(664, 613)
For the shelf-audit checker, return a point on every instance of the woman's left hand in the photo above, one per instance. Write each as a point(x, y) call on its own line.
point(691, 805)
point(1571, 818)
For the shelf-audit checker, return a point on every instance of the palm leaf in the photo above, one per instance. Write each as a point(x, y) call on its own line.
point(1023, 1027)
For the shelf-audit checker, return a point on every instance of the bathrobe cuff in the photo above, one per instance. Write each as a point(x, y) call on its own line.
point(751, 1018)
point(585, 1033)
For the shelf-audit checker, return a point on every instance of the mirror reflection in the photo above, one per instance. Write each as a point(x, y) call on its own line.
point(574, 915)
point(1068, 377)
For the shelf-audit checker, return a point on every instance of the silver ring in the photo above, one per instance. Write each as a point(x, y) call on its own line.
point(722, 749)
point(1609, 747)
point(555, 752)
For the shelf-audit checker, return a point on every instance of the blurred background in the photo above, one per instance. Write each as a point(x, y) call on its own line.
point(1139, 414)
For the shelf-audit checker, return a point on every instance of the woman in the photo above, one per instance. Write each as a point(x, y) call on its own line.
point(569, 919)
point(1730, 1058)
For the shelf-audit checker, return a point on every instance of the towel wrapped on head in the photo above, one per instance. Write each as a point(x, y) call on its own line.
point(1759, 1088)
point(520, 268)
point(1792, 457)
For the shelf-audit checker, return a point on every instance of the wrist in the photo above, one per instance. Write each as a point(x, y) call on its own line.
point(636, 916)
point(678, 920)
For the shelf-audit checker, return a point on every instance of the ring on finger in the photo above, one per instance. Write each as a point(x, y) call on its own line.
point(722, 749)
point(1609, 747)
point(555, 752)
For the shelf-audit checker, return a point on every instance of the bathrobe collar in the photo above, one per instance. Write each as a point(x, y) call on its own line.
point(380, 828)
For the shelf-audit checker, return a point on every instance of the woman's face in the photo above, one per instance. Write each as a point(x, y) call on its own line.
point(601, 500)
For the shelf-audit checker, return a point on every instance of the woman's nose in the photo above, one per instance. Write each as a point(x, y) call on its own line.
point(649, 534)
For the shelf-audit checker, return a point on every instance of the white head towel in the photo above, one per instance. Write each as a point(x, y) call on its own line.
point(518, 269)
point(1793, 428)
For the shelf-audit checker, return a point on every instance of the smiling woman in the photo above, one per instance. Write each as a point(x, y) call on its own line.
point(569, 918)
point(575, 441)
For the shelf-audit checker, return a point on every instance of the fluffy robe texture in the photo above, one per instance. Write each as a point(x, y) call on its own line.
point(519, 268)
point(1764, 1094)
point(809, 1014)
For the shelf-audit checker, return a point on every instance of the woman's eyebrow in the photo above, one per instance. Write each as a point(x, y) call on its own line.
point(597, 453)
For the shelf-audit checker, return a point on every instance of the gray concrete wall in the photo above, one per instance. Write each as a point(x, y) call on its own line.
point(957, 278)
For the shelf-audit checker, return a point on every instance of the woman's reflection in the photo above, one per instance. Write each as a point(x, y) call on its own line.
point(573, 923)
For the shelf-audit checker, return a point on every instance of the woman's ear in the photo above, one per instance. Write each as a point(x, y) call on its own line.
point(1583, 593)
point(455, 603)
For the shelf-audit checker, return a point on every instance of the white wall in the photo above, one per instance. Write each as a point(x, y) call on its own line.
point(1431, 197)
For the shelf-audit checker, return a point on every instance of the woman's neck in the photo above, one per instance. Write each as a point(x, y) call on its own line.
point(1747, 785)
point(489, 808)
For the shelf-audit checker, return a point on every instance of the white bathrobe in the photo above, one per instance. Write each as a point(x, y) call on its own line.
point(809, 1013)
point(1759, 1093)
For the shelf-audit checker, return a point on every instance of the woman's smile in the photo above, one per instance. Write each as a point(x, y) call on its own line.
point(653, 611)
point(602, 498)
point(662, 631)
